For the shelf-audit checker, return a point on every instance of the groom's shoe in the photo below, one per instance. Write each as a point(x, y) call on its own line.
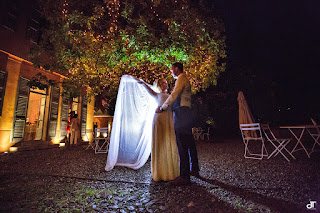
point(195, 174)
point(179, 181)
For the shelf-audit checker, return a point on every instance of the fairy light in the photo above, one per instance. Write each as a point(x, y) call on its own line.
point(144, 64)
point(64, 9)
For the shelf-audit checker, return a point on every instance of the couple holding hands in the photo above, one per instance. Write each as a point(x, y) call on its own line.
point(173, 151)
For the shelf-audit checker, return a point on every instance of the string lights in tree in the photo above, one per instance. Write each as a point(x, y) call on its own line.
point(64, 9)
point(101, 41)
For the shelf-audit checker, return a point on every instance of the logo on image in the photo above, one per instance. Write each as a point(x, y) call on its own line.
point(311, 205)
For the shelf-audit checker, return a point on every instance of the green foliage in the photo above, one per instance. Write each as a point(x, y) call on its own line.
point(71, 89)
point(41, 82)
point(95, 43)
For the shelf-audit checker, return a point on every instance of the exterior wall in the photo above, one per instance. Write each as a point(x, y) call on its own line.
point(46, 116)
point(14, 48)
point(16, 67)
point(12, 65)
point(16, 41)
point(57, 139)
point(90, 119)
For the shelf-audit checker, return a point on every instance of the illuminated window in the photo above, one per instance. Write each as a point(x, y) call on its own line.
point(3, 81)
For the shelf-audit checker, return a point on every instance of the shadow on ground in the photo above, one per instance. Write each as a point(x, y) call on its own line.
point(74, 179)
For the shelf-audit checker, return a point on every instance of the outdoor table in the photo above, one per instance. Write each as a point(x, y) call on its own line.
point(299, 137)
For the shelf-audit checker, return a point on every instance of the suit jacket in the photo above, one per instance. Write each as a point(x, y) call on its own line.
point(181, 90)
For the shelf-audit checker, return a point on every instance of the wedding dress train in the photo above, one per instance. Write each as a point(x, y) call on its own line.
point(137, 130)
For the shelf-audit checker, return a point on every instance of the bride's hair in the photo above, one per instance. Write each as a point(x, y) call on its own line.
point(159, 82)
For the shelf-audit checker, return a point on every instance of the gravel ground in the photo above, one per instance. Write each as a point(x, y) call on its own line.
point(74, 180)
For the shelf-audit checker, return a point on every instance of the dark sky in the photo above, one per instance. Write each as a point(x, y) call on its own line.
point(272, 32)
point(278, 40)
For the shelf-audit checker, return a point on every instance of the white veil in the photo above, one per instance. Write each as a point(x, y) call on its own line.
point(131, 135)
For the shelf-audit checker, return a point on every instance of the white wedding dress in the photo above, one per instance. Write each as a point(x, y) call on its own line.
point(164, 157)
point(137, 129)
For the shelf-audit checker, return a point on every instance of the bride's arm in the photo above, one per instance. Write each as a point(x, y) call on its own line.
point(151, 91)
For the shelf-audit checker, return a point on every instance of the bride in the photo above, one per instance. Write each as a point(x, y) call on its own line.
point(136, 126)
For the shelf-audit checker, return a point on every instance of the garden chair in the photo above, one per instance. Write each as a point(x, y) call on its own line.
point(252, 136)
point(279, 144)
point(102, 140)
point(206, 134)
point(91, 143)
point(197, 132)
point(315, 134)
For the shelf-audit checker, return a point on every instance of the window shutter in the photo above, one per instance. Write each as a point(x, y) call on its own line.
point(64, 117)
point(84, 116)
point(3, 82)
point(54, 112)
point(21, 110)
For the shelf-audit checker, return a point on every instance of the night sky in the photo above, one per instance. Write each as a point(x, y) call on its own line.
point(278, 41)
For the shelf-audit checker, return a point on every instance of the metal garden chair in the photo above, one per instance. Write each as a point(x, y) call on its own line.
point(252, 136)
point(279, 144)
point(102, 140)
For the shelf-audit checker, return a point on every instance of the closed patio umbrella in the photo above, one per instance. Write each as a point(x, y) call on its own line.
point(245, 116)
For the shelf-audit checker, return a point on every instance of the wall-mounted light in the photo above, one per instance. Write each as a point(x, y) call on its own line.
point(13, 149)
point(109, 127)
point(56, 141)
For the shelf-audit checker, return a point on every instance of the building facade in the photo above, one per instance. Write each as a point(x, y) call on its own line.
point(31, 114)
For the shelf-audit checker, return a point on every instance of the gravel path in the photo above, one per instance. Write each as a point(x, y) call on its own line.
point(74, 180)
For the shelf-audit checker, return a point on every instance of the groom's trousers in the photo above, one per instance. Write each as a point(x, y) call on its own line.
point(183, 121)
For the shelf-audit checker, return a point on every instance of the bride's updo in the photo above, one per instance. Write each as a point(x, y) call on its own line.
point(159, 83)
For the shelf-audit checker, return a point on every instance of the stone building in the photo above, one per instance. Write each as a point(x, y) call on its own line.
point(31, 114)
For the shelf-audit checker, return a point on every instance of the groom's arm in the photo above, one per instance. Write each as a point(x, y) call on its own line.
point(159, 109)
point(180, 83)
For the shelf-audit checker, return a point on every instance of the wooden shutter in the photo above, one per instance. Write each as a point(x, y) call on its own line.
point(84, 116)
point(64, 117)
point(3, 82)
point(21, 110)
point(55, 94)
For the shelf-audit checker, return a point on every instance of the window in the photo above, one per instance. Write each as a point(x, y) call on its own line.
point(11, 18)
point(3, 82)
point(33, 26)
point(75, 105)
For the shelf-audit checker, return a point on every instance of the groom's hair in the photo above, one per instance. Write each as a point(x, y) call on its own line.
point(179, 65)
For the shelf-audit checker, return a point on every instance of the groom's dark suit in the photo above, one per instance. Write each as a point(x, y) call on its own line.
point(180, 100)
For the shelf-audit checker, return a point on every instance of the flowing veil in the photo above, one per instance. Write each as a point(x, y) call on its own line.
point(131, 135)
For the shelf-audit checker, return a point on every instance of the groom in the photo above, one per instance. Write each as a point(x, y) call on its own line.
point(180, 99)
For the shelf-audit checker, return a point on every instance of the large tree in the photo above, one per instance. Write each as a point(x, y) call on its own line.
point(95, 42)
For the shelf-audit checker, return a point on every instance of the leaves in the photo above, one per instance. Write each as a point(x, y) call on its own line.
point(40, 81)
point(95, 44)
